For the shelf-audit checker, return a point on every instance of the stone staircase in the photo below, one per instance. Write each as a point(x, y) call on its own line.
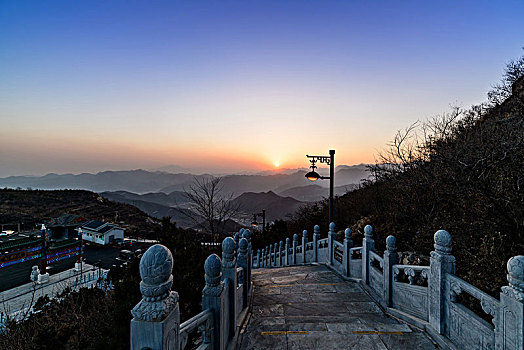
point(346, 300)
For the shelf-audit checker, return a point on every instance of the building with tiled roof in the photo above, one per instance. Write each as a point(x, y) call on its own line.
point(101, 232)
point(64, 226)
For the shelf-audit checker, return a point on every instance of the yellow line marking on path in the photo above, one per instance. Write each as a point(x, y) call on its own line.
point(376, 332)
point(305, 284)
point(283, 332)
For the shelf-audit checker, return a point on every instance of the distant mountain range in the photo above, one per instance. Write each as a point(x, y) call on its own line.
point(157, 205)
point(315, 193)
point(161, 194)
point(276, 207)
point(142, 181)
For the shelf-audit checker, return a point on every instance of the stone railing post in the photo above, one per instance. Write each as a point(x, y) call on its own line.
point(368, 244)
point(348, 244)
point(247, 236)
point(275, 250)
point(156, 318)
point(270, 255)
point(229, 271)
point(281, 248)
point(212, 298)
point(295, 245)
point(316, 237)
point(259, 256)
point(332, 237)
point(390, 259)
point(237, 237)
point(304, 246)
point(510, 330)
point(441, 263)
point(242, 262)
point(287, 251)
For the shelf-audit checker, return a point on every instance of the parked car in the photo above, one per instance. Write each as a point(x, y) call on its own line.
point(117, 241)
point(125, 255)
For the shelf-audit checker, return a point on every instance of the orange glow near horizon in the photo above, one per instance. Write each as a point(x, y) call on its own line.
point(38, 154)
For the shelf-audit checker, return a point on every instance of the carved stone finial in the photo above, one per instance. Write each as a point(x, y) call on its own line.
point(34, 273)
point(155, 267)
point(368, 231)
point(316, 230)
point(347, 234)
point(237, 237)
point(332, 227)
point(287, 241)
point(228, 252)
point(275, 246)
point(213, 274)
point(247, 235)
point(281, 245)
point(228, 246)
point(442, 242)
point(391, 243)
point(242, 246)
point(295, 237)
point(516, 276)
point(304, 233)
point(213, 270)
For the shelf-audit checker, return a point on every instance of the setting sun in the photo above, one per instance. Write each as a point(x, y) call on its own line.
point(277, 165)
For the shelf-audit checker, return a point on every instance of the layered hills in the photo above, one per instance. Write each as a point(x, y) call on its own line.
point(142, 181)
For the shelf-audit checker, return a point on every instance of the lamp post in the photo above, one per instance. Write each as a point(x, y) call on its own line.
point(314, 176)
point(80, 262)
point(43, 259)
point(255, 223)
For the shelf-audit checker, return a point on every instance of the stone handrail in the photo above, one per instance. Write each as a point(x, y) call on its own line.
point(411, 271)
point(375, 257)
point(202, 322)
point(156, 318)
point(428, 298)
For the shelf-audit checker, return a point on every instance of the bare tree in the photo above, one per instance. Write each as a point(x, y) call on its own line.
point(211, 207)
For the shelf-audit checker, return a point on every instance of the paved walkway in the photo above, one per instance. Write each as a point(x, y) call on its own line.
point(310, 307)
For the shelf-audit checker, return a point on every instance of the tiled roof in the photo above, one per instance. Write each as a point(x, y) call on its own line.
point(99, 227)
point(66, 220)
point(20, 242)
point(106, 228)
point(93, 224)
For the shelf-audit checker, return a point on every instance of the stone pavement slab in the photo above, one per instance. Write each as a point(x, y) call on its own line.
point(311, 307)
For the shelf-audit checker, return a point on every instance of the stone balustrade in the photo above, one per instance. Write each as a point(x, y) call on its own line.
point(425, 296)
point(156, 318)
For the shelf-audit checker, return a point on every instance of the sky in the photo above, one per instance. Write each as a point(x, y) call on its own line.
point(231, 86)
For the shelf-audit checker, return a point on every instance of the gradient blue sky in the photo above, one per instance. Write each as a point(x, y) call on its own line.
point(235, 85)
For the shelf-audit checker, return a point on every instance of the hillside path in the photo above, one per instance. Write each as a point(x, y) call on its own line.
point(311, 307)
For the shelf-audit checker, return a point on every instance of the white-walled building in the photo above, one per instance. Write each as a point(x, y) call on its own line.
point(101, 233)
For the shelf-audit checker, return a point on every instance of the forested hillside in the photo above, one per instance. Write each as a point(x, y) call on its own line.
point(32, 207)
point(463, 172)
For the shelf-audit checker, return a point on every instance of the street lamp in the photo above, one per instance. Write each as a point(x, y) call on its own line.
point(255, 223)
point(314, 176)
